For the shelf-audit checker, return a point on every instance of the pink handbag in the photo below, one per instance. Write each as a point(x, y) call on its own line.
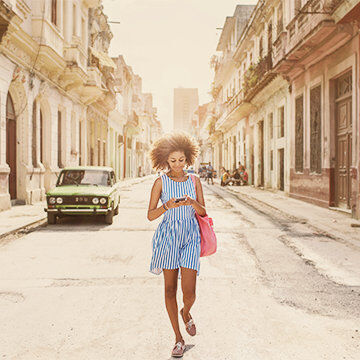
point(207, 234)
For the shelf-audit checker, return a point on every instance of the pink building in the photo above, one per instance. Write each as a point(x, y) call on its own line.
point(318, 53)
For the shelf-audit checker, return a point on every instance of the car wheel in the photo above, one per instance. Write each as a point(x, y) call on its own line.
point(109, 217)
point(51, 218)
point(116, 211)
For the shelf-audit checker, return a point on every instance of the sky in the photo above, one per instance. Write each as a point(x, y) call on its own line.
point(169, 43)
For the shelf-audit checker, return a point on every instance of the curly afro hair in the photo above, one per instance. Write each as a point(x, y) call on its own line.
point(170, 143)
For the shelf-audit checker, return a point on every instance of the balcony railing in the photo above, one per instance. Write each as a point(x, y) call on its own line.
point(255, 77)
point(228, 108)
point(234, 102)
point(308, 18)
point(222, 66)
point(312, 25)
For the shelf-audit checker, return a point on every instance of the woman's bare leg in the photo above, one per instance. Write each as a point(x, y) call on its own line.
point(188, 285)
point(171, 279)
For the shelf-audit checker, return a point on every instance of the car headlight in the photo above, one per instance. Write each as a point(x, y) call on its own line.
point(59, 200)
point(52, 201)
point(95, 201)
point(103, 201)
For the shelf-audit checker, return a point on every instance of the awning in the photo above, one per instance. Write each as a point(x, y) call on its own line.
point(104, 59)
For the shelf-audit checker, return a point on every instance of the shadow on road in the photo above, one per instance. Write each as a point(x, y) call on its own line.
point(77, 223)
point(187, 348)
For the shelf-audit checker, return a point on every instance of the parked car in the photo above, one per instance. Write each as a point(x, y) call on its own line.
point(84, 190)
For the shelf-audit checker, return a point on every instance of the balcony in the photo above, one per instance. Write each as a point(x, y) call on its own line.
point(92, 89)
point(91, 3)
point(51, 41)
point(257, 77)
point(6, 14)
point(310, 36)
point(76, 53)
point(76, 66)
point(223, 67)
point(233, 110)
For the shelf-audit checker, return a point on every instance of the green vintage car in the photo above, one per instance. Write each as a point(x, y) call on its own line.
point(84, 190)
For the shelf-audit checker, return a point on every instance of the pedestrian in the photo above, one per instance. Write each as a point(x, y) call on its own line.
point(176, 241)
point(225, 178)
point(245, 178)
point(236, 177)
point(209, 173)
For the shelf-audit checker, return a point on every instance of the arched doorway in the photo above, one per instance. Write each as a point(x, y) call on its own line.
point(11, 146)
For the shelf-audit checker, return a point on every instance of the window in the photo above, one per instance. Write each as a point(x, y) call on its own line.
point(315, 129)
point(91, 156)
point(104, 152)
point(41, 138)
point(73, 132)
point(99, 151)
point(299, 134)
point(271, 160)
point(74, 19)
point(33, 136)
point(270, 36)
point(280, 22)
point(80, 141)
point(60, 164)
point(54, 12)
point(261, 47)
point(83, 31)
point(271, 125)
point(281, 122)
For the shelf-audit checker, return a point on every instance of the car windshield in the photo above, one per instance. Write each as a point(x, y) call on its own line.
point(84, 177)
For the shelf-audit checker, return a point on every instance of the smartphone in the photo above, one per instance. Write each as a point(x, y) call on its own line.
point(180, 199)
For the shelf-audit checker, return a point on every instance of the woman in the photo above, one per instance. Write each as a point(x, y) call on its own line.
point(176, 242)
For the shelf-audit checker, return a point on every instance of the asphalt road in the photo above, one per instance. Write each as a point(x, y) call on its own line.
point(82, 290)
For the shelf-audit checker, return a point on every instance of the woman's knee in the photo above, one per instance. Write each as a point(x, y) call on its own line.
point(189, 295)
point(170, 291)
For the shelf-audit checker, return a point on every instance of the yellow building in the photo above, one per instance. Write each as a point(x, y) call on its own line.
point(55, 93)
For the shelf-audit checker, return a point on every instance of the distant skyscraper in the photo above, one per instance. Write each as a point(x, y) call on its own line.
point(186, 101)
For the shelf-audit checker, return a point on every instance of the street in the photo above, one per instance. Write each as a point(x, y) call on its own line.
point(81, 289)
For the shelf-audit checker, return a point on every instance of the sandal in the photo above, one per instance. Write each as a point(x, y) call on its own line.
point(190, 325)
point(178, 350)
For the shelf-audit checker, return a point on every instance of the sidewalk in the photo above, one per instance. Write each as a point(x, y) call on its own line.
point(22, 216)
point(332, 242)
point(336, 223)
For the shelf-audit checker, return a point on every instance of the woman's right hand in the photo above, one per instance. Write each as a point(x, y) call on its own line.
point(172, 204)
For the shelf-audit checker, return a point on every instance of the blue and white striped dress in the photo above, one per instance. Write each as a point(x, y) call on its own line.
point(176, 242)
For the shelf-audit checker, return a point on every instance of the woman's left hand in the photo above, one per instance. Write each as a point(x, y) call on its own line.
point(188, 201)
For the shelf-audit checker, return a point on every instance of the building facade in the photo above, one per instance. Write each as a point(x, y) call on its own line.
point(135, 125)
point(286, 95)
point(57, 94)
point(43, 72)
point(186, 101)
point(318, 52)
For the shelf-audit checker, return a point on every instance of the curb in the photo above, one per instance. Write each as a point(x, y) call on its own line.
point(33, 225)
point(331, 233)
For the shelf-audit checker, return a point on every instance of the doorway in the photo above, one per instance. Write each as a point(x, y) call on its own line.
point(11, 146)
point(261, 153)
point(234, 153)
point(343, 132)
point(281, 169)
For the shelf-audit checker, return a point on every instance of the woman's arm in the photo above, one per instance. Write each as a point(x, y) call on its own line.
point(199, 203)
point(154, 212)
